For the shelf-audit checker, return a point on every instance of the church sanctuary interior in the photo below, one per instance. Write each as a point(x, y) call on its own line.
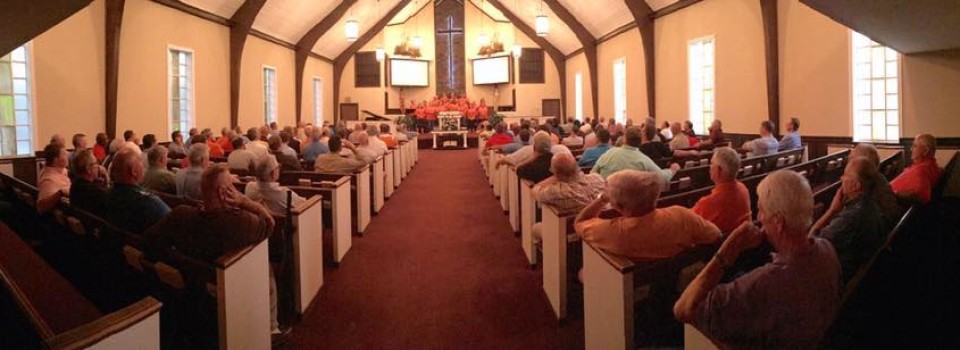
point(479, 174)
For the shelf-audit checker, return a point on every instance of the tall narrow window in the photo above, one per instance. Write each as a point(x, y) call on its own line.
point(317, 101)
point(620, 90)
point(700, 59)
point(269, 95)
point(16, 119)
point(876, 97)
point(180, 83)
point(578, 92)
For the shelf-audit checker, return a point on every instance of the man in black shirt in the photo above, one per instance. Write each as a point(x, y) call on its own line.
point(658, 150)
point(537, 168)
point(88, 188)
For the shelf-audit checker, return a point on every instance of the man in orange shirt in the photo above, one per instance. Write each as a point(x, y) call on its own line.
point(226, 140)
point(643, 231)
point(916, 182)
point(482, 111)
point(728, 205)
point(387, 137)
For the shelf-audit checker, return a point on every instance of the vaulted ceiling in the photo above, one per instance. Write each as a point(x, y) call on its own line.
point(289, 20)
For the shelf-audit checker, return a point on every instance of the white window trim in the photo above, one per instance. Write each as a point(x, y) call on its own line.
point(322, 105)
point(626, 116)
point(853, 82)
point(193, 83)
point(276, 93)
point(713, 39)
point(578, 96)
point(32, 86)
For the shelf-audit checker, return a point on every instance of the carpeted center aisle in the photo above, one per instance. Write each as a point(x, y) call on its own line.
point(438, 268)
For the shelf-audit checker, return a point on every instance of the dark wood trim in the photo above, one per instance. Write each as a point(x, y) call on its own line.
point(179, 5)
point(677, 6)
point(113, 323)
point(558, 58)
point(616, 32)
point(113, 26)
point(320, 57)
point(574, 53)
point(341, 61)
point(589, 49)
point(415, 14)
point(21, 299)
point(771, 43)
point(242, 23)
point(304, 49)
point(386, 101)
point(485, 13)
point(622, 264)
point(225, 261)
point(643, 17)
point(272, 39)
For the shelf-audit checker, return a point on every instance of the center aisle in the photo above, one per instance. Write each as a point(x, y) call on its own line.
point(438, 268)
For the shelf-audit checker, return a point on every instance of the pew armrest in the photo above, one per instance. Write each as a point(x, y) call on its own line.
point(620, 263)
point(307, 205)
point(109, 325)
point(228, 260)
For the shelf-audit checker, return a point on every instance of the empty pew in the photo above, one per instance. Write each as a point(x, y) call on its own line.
point(60, 316)
point(359, 191)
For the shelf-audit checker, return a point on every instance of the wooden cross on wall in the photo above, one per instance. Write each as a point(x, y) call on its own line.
point(451, 31)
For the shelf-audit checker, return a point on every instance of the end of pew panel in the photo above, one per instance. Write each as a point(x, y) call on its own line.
point(607, 300)
point(134, 327)
point(243, 298)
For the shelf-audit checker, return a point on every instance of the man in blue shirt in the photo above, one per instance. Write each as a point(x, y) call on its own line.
point(523, 139)
point(766, 144)
point(129, 206)
point(315, 148)
point(590, 156)
point(791, 140)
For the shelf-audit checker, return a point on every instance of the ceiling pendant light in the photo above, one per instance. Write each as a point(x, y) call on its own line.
point(483, 39)
point(542, 23)
point(416, 41)
point(352, 30)
point(517, 50)
point(381, 54)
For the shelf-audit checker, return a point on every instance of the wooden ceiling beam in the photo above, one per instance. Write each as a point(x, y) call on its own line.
point(113, 22)
point(304, 48)
point(589, 49)
point(559, 60)
point(340, 62)
point(242, 22)
point(771, 43)
point(643, 15)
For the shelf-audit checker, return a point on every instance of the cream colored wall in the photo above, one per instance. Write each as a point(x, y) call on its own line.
point(68, 84)
point(316, 68)
point(257, 54)
point(931, 85)
point(578, 64)
point(739, 62)
point(474, 23)
point(815, 74)
point(626, 45)
point(371, 98)
point(149, 29)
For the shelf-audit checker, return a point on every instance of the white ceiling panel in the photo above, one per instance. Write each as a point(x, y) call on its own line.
point(656, 5)
point(408, 11)
point(559, 35)
point(288, 20)
point(364, 12)
point(600, 17)
point(222, 8)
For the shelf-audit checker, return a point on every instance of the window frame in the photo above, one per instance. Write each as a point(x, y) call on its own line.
point(853, 96)
point(578, 96)
point(192, 123)
point(704, 124)
point(318, 105)
point(274, 93)
point(31, 103)
point(616, 62)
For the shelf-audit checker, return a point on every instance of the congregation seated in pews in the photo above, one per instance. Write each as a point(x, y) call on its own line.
point(197, 220)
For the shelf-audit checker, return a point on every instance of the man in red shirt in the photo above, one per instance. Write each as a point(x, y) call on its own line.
point(916, 182)
point(728, 205)
point(499, 138)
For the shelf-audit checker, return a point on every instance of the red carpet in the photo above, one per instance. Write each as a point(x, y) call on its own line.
point(439, 268)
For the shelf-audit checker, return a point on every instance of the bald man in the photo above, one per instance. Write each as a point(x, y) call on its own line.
point(916, 182)
point(129, 206)
point(569, 189)
point(859, 227)
point(642, 231)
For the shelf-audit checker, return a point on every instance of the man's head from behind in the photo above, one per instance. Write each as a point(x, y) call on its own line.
point(860, 176)
point(924, 146)
point(766, 128)
point(157, 157)
point(55, 155)
point(785, 206)
point(542, 143)
point(334, 144)
point(564, 167)
point(84, 163)
point(216, 186)
point(633, 136)
point(199, 155)
point(724, 165)
point(634, 193)
point(866, 150)
point(525, 135)
point(268, 170)
point(127, 167)
point(603, 136)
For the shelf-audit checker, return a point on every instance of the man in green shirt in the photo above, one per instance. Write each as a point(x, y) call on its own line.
point(629, 156)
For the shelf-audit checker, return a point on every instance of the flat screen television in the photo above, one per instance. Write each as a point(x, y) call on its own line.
point(491, 70)
point(409, 72)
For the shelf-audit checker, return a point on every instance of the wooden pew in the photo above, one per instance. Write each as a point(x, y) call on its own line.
point(495, 176)
point(359, 191)
point(555, 231)
point(397, 169)
point(503, 178)
point(377, 184)
point(336, 197)
point(60, 316)
point(513, 193)
point(528, 216)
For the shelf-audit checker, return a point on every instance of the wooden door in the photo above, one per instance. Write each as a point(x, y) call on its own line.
point(349, 111)
point(551, 108)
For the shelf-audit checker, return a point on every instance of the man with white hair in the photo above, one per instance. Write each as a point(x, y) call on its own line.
point(256, 146)
point(629, 156)
point(568, 190)
point(642, 231)
point(589, 136)
point(728, 204)
point(680, 141)
point(158, 178)
point(525, 153)
point(267, 191)
point(537, 168)
point(188, 181)
point(572, 139)
point(376, 144)
point(365, 150)
point(881, 193)
point(129, 206)
point(787, 303)
point(915, 183)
